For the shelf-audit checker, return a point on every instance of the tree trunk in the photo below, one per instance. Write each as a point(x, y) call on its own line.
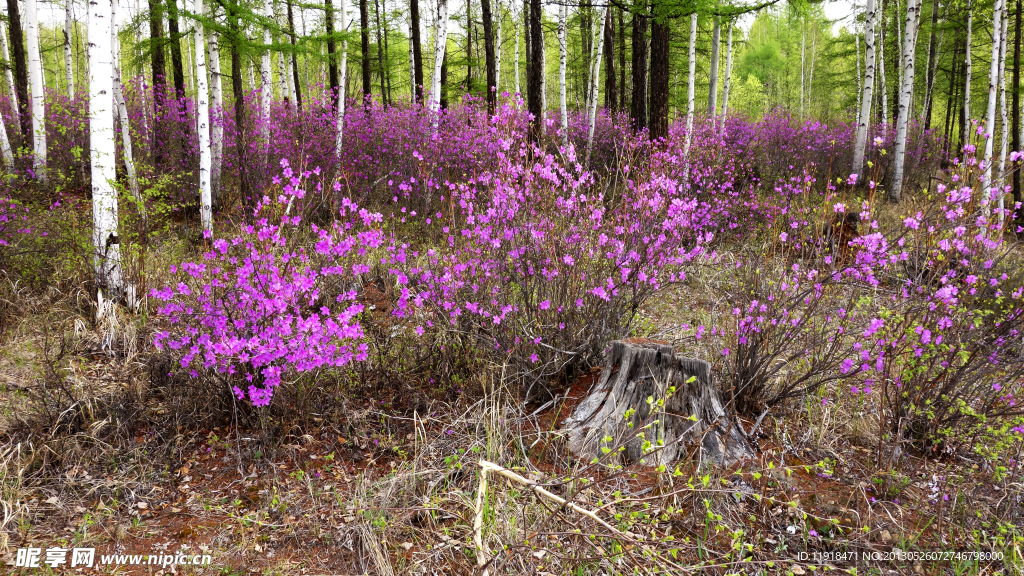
point(536, 72)
point(906, 95)
point(864, 121)
point(69, 65)
point(622, 62)
point(107, 259)
point(444, 81)
point(689, 86)
point(1017, 127)
point(993, 92)
point(122, 111)
point(611, 90)
point(217, 128)
point(595, 83)
point(563, 59)
point(266, 78)
point(882, 87)
point(638, 99)
point(203, 125)
point(417, 48)
point(528, 52)
point(35, 72)
point(238, 92)
point(671, 399)
point(660, 35)
point(497, 49)
point(966, 131)
point(860, 86)
point(1004, 137)
point(951, 97)
point(492, 96)
point(364, 43)
point(19, 89)
point(440, 43)
point(295, 59)
point(469, 47)
point(339, 140)
point(728, 82)
point(932, 61)
point(515, 58)
point(332, 62)
point(175, 40)
point(385, 75)
point(716, 40)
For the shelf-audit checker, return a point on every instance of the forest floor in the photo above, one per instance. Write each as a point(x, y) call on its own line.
point(95, 454)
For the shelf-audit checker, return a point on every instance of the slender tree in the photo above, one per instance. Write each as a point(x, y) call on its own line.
point(716, 41)
point(492, 75)
point(906, 95)
point(20, 69)
point(689, 85)
point(926, 110)
point(19, 89)
point(343, 23)
point(882, 88)
point(122, 110)
point(266, 76)
point(535, 72)
point(864, 120)
point(417, 49)
point(595, 75)
point(217, 128)
point(297, 95)
point(1017, 128)
point(497, 47)
point(967, 77)
point(332, 63)
point(1004, 119)
point(622, 62)
point(203, 124)
point(107, 257)
point(515, 33)
point(238, 91)
point(563, 58)
point(440, 43)
point(385, 88)
point(35, 72)
point(364, 37)
point(174, 38)
point(728, 81)
point(638, 99)
point(528, 51)
point(69, 68)
point(993, 92)
point(611, 90)
point(5, 146)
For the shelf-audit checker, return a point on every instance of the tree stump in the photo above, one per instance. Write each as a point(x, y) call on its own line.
point(625, 400)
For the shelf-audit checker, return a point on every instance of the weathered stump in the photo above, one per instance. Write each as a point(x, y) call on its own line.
point(625, 400)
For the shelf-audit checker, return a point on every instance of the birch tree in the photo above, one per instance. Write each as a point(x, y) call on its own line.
point(563, 58)
point(343, 79)
point(993, 90)
point(497, 49)
point(967, 75)
point(595, 79)
point(35, 73)
point(906, 95)
point(803, 45)
point(728, 81)
point(5, 145)
point(69, 72)
point(1001, 182)
point(12, 88)
point(216, 128)
point(440, 43)
point(515, 33)
point(864, 119)
point(266, 75)
point(883, 89)
point(122, 110)
point(690, 86)
point(203, 124)
point(107, 257)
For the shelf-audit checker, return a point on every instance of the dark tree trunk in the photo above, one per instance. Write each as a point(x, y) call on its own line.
point(237, 92)
point(529, 53)
point(332, 62)
point(660, 34)
point(417, 51)
point(625, 401)
point(611, 92)
point(622, 63)
point(364, 42)
point(536, 70)
point(157, 62)
point(443, 100)
point(638, 100)
point(174, 37)
point(586, 46)
point(20, 71)
point(380, 55)
point(295, 58)
point(492, 96)
point(469, 47)
point(930, 84)
point(1018, 194)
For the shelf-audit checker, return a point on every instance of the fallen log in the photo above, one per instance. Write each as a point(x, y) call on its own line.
point(647, 393)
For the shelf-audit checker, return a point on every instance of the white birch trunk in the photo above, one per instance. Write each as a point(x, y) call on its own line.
point(690, 89)
point(993, 91)
point(282, 76)
point(497, 49)
point(203, 125)
point(5, 145)
point(1004, 141)
point(122, 110)
point(266, 77)
point(967, 76)
point(864, 120)
point(563, 58)
point(728, 81)
point(440, 42)
point(10, 75)
point(860, 85)
point(107, 259)
point(595, 80)
point(216, 128)
point(906, 95)
point(881, 71)
point(412, 66)
point(343, 80)
point(35, 75)
point(716, 39)
point(69, 70)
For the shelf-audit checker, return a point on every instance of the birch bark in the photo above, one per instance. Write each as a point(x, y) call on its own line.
point(906, 95)
point(864, 120)
point(343, 79)
point(69, 70)
point(35, 74)
point(728, 81)
point(203, 125)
